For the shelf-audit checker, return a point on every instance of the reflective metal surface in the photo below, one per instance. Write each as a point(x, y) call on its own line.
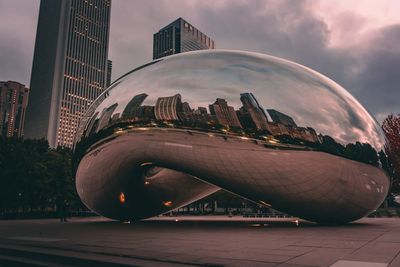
point(273, 131)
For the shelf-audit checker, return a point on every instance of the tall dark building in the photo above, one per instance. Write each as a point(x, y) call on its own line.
point(69, 67)
point(186, 107)
point(105, 116)
point(13, 101)
point(202, 110)
point(109, 72)
point(253, 112)
point(133, 106)
point(282, 118)
point(178, 37)
point(225, 114)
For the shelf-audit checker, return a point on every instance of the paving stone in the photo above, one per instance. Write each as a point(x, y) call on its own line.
point(343, 263)
point(320, 257)
point(215, 240)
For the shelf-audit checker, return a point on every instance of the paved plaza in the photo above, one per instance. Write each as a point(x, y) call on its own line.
point(199, 241)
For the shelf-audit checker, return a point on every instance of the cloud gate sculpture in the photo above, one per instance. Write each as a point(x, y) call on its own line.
point(272, 131)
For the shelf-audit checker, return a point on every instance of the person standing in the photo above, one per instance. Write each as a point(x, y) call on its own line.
point(62, 209)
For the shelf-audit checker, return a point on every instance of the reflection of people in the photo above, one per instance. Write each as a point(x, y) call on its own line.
point(62, 208)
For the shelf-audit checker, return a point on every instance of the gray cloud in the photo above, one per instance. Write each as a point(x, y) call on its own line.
point(369, 69)
point(18, 21)
point(367, 65)
point(379, 83)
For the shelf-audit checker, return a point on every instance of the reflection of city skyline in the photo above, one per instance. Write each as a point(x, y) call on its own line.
point(310, 100)
point(250, 118)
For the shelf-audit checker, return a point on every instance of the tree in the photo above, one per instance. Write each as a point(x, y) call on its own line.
point(391, 128)
point(33, 176)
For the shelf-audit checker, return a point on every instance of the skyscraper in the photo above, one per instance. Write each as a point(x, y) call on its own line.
point(167, 108)
point(178, 37)
point(133, 106)
point(253, 112)
point(282, 118)
point(13, 101)
point(225, 114)
point(109, 72)
point(105, 116)
point(69, 67)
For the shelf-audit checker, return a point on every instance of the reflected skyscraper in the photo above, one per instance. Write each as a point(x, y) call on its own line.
point(202, 110)
point(106, 116)
point(133, 105)
point(186, 107)
point(178, 37)
point(252, 112)
point(69, 67)
point(167, 108)
point(225, 114)
point(282, 118)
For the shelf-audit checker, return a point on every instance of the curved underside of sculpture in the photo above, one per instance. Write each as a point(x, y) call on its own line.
point(142, 149)
point(316, 186)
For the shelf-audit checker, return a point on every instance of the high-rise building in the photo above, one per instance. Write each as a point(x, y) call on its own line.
point(186, 107)
point(13, 101)
point(178, 37)
point(278, 129)
point(132, 107)
point(202, 110)
point(167, 108)
point(105, 117)
point(109, 72)
point(225, 114)
point(252, 112)
point(69, 67)
point(282, 118)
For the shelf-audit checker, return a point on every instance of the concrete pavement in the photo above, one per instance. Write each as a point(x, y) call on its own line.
point(199, 241)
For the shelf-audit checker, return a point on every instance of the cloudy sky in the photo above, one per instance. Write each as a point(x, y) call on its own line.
point(356, 43)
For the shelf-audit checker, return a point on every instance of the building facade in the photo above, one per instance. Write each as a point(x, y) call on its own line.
point(13, 101)
point(252, 112)
point(131, 110)
point(105, 117)
point(224, 114)
point(109, 72)
point(167, 108)
point(69, 67)
point(178, 37)
point(282, 118)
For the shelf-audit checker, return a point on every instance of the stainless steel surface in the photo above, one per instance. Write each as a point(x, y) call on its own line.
point(273, 131)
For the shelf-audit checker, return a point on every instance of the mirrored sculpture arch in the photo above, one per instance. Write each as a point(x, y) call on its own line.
point(275, 132)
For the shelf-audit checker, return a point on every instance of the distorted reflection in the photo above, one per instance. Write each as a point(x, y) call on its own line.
point(251, 120)
point(282, 127)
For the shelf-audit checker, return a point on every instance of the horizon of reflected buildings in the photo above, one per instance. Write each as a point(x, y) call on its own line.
point(250, 120)
point(222, 117)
